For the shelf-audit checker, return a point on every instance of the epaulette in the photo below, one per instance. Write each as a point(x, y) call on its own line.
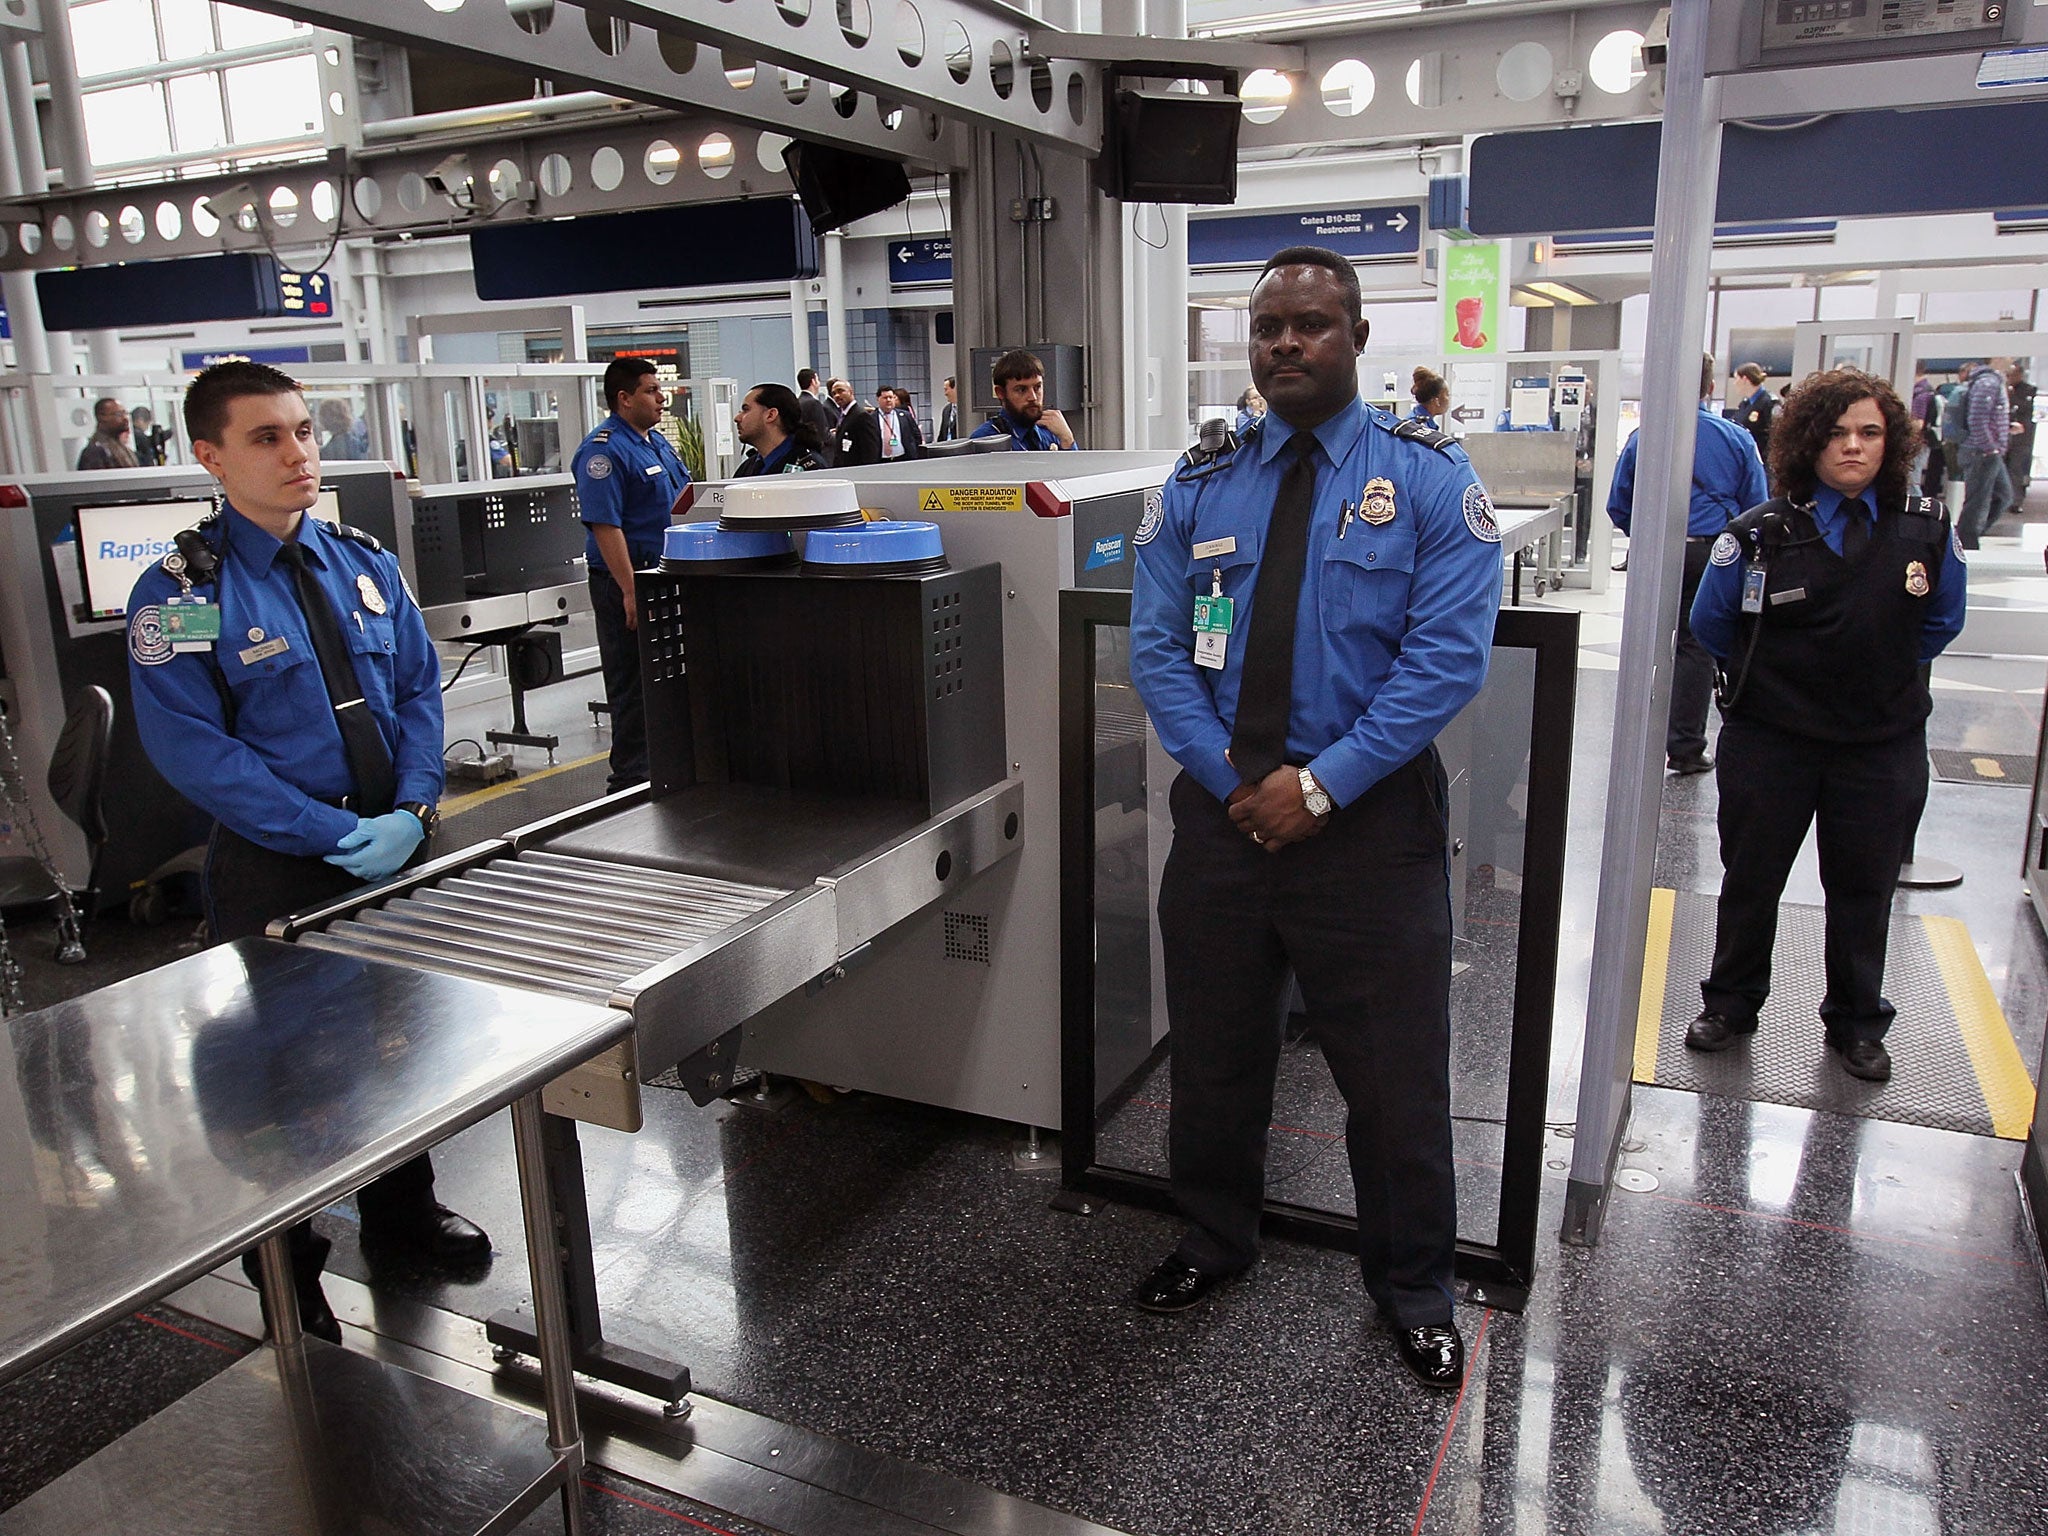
point(356, 535)
point(1929, 507)
point(1429, 437)
point(601, 435)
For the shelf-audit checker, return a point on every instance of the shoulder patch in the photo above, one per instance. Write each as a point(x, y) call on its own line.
point(1155, 514)
point(598, 466)
point(1479, 514)
point(147, 642)
point(1727, 550)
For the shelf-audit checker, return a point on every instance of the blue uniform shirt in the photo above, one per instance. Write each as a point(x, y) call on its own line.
point(1727, 477)
point(1396, 619)
point(1035, 437)
point(628, 481)
point(1717, 610)
point(1420, 413)
point(268, 778)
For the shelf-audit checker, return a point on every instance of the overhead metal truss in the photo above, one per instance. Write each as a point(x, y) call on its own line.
point(643, 160)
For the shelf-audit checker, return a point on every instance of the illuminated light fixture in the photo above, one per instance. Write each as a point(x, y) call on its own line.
point(1311, 18)
point(1563, 293)
point(1523, 298)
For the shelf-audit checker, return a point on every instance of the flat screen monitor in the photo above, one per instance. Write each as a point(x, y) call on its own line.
point(117, 544)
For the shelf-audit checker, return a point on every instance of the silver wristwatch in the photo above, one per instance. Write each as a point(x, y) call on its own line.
point(1313, 795)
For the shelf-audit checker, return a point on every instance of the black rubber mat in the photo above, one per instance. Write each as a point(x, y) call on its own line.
point(1934, 1081)
point(1957, 767)
point(474, 816)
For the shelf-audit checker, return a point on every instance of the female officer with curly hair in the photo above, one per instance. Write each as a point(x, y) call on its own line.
point(1822, 607)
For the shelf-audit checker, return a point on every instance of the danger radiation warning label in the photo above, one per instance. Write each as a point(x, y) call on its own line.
point(972, 498)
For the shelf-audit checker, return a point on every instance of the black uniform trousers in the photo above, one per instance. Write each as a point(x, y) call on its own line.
point(1692, 668)
point(1361, 914)
point(1863, 802)
point(245, 885)
point(618, 652)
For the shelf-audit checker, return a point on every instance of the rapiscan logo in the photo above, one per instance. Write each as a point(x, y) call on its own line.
point(1109, 551)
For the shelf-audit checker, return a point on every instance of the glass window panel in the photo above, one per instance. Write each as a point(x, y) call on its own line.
point(278, 100)
point(111, 35)
point(239, 28)
point(196, 119)
point(187, 27)
point(126, 124)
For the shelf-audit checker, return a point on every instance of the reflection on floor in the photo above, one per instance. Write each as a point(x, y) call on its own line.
point(1795, 1322)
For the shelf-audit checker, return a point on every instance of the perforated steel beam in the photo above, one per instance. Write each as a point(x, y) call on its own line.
point(642, 161)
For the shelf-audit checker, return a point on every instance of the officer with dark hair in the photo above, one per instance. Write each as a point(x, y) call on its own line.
point(283, 682)
point(1824, 606)
point(771, 423)
point(627, 479)
point(1311, 607)
point(1018, 379)
point(1755, 413)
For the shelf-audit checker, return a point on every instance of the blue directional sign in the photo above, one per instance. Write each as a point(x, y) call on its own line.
point(1247, 239)
point(192, 362)
point(917, 263)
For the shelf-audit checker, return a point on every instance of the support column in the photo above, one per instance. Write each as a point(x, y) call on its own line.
point(835, 305)
point(23, 173)
point(1688, 175)
point(800, 326)
point(67, 112)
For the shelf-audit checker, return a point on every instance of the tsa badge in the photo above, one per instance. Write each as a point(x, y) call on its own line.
point(1916, 579)
point(1377, 501)
point(367, 590)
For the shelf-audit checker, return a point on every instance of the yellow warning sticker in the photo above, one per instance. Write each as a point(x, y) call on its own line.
point(971, 498)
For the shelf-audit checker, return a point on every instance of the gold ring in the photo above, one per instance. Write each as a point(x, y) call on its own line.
point(1256, 838)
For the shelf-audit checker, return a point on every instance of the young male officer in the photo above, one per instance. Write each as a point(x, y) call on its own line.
point(627, 479)
point(284, 683)
point(1310, 609)
point(1019, 381)
point(770, 421)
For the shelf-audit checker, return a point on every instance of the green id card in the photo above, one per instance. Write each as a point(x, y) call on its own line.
point(191, 623)
point(1213, 614)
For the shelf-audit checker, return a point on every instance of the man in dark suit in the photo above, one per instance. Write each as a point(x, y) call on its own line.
point(817, 412)
point(901, 429)
point(858, 437)
point(949, 418)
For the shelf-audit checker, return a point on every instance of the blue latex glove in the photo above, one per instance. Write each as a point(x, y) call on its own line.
point(379, 846)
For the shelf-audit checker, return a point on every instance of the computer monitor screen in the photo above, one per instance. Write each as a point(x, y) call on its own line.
point(328, 507)
point(117, 544)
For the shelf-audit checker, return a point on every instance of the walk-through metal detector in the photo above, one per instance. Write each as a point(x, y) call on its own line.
point(1730, 62)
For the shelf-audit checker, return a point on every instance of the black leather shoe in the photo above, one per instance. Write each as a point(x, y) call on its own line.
point(437, 1237)
point(316, 1318)
point(1173, 1287)
point(1434, 1354)
point(1684, 765)
point(1866, 1059)
point(1715, 1032)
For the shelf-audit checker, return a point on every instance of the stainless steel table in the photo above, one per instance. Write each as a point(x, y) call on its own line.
point(156, 1128)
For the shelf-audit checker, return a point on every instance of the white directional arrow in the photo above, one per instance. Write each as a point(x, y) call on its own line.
point(1399, 221)
point(903, 254)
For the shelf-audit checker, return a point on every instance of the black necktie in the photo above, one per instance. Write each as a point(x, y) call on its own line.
point(369, 760)
point(1856, 531)
point(1265, 688)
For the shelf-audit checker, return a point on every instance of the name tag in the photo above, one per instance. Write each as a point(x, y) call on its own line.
point(656, 469)
point(1790, 595)
point(276, 646)
point(1210, 548)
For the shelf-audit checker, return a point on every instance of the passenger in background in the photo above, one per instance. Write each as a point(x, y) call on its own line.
point(1727, 480)
point(858, 437)
point(303, 713)
point(345, 440)
point(820, 414)
point(1755, 413)
point(949, 418)
point(1926, 411)
point(105, 449)
point(1310, 610)
point(1987, 422)
point(1825, 606)
point(902, 436)
point(2019, 442)
point(1251, 410)
point(1432, 394)
point(1019, 382)
point(627, 479)
point(772, 425)
point(150, 439)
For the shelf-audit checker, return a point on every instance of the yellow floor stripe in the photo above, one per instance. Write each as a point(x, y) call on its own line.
point(457, 804)
point(2001, 1075)
point(1656, 961)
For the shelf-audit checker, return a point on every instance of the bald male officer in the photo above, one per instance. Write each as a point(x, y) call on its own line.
point(283, 682)
point(627, 479)
point(1310, 609)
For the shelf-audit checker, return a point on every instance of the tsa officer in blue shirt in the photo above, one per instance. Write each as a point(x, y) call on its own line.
point(283, 682)
point(1311, 607)
point(778, 436)
point(1432, 397)
point(1824, 607)
point(1019, 381)
point(1727, 480)
point(627, 480)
